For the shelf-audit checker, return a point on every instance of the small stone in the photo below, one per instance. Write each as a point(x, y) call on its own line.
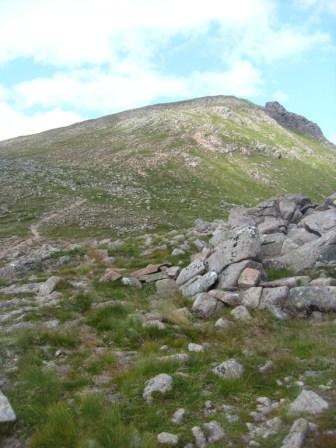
point(266, 368)
point(178, 416)
point(241, 313)
point(154, 323)
point(7, 414)
point(132, 282)
point(178, 357)
point(308, 402)
point(230, 369)
point(166, 438)
point(49, 286)
point(195, 347)
point(161, 383)
point(223, 323)
point(177, 252)
point(110, 276)
point(200, 439)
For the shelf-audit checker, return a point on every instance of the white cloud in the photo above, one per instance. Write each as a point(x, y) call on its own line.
point(103, 31)
point(105, 92)
point(319, 5)
point(108, 54)
point(14, 123)
point(333, 139)
point(97, 31)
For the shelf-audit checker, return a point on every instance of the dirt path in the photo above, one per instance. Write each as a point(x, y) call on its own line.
point(34, 228)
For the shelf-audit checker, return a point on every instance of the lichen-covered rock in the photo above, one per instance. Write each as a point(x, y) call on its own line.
point(229, 369)
point(199, 284)
point(194, 269)
point(244, 244)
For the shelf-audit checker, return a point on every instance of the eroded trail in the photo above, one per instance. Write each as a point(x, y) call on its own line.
point(34, 229)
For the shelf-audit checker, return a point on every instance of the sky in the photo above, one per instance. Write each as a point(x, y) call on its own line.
point(65, 61)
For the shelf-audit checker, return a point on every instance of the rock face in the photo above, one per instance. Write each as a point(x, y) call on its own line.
point(293, 121)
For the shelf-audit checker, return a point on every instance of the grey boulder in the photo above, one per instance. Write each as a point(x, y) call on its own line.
point(310, 298)
point(243, 244)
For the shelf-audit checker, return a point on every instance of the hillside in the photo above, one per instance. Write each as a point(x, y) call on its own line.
point(158, 167)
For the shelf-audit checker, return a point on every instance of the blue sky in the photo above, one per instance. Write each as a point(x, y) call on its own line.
point(62, 62)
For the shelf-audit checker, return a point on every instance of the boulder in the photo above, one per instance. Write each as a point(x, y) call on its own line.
point(322, 250)
point(228, 279)
point(249, 277)
point(227, 297)
point(197, 267)
point(206, 305)
point(199, 284)
point(251, 297)
point(290, 282)
point(273, 299)
point(271, 244)
point(320, 222)
point(287, 209)
point(272, 225)
point(312, 298)
point(244, 244)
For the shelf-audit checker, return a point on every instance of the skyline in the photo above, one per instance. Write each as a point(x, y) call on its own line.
point(59, 66)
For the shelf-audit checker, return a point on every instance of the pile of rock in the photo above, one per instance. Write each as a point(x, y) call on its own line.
point(284, 233)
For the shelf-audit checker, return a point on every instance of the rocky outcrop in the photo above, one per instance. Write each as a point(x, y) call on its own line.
point(287, 233)
point(293, 121)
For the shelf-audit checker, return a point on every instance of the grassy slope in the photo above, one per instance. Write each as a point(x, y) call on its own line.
point(156, 167)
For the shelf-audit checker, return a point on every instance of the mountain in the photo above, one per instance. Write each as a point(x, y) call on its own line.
point(159, 167)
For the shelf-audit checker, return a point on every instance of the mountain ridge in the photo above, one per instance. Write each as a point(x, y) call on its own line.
point(162, 165)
